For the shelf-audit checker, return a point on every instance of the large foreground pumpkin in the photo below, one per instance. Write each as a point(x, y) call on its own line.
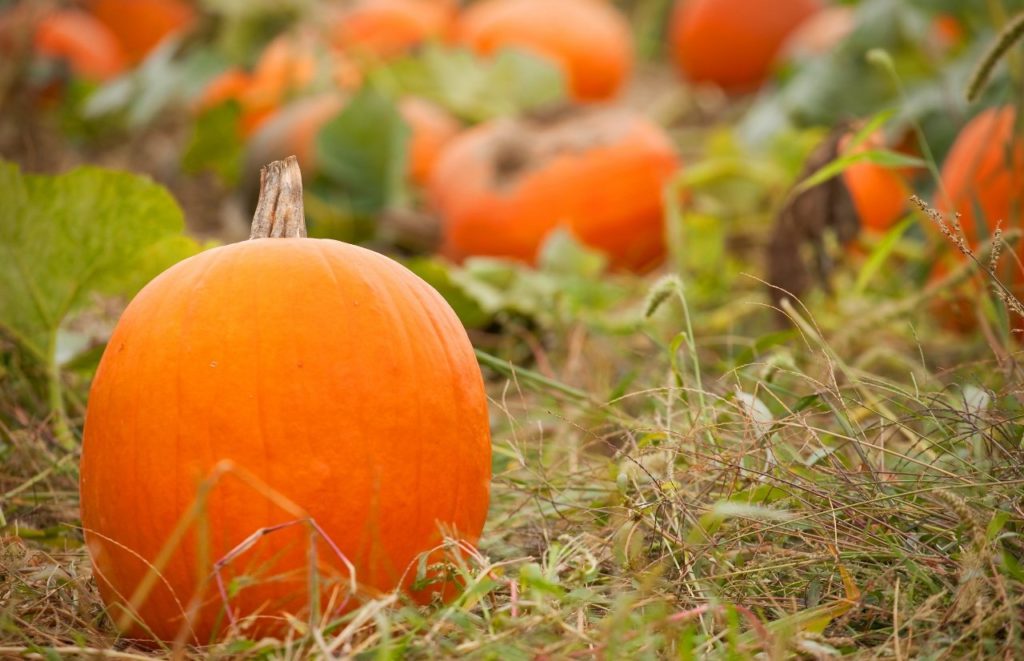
point(502, 187)
point(344, 394)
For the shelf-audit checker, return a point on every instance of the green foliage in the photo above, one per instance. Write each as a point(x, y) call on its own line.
point(845, 83)
point(67, 237)
point(216, 145)
point(472, 88)
point(570, 282)
point(162, 81)
point(363, 152)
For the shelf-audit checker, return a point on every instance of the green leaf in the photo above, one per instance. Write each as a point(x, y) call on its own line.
point(473, 88)
point(880, 254)
point(216, 144)
point(562, 253)
point(882, 157)
point(363, 150)
point(64, 237)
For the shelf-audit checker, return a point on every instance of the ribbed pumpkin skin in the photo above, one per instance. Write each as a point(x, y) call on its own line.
point(589, 39)
point(608, 194)
point(333, 374)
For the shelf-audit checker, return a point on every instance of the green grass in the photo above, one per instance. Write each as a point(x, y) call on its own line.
point(660, 494)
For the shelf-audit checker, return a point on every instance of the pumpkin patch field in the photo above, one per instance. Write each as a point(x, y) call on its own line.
point(512, 329)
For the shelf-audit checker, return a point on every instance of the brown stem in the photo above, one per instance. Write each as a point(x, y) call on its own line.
point(279, 213)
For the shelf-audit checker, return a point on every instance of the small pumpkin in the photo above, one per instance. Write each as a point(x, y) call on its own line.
point(984, 172)
point(276, 380)
point(500, 188)
point(90, 49)
point(385, 28)
point(588, 39)
point(880, 194)
point(140, 25)
point(733, 43)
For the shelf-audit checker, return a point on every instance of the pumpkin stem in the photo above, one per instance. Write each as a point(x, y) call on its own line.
point(279, 212)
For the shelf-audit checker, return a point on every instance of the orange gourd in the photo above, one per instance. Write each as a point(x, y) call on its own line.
point(733, 43)
point(503, 186)
point(588, 39)
point(984, 171)
point(286, 379)
point(880, 194)
point(140, 25)
point(90, 49)
point(983, 180)
point(385, 28)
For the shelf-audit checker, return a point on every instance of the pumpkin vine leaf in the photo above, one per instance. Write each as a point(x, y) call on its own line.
point(67, 237)
point(363, 150)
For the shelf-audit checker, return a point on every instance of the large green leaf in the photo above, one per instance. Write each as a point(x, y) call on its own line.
point(363, 150)
point(65, 237)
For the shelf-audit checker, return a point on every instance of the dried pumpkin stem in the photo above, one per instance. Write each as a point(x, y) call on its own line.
point(279, 212)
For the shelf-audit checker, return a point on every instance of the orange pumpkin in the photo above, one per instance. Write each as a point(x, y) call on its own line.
point(90, 49)
point(432, 128)
point(984, 171)
point(733, 43)
point(589, 39)
point(503, 186)
point(343, 391)
point(384, 28)
point(142, 24)
point(880, 194)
